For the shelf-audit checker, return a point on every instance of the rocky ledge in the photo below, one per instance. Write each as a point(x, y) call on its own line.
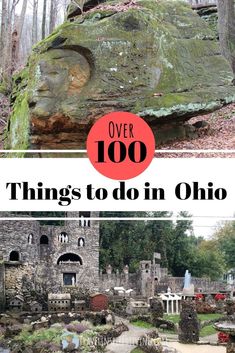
point(157, 59)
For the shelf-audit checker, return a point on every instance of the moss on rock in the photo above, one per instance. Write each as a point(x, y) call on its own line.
point(157, 59)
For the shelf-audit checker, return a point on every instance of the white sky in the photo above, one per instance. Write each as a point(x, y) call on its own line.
point(205, 226)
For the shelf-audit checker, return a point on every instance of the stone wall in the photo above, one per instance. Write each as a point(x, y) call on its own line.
point(176, 284)
point(19, 279)
point(38, 268)
point(128, 281)
point(2, 287)
point(14, 237)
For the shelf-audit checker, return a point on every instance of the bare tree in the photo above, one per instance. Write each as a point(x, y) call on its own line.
point(226, 13)
point(52, 16)
point(20, 29)
point(7, 35)
point(17, 35)
point(65, 4)
point(3, 33)
point(3, 24)
point(44, 17)
point(35, 22)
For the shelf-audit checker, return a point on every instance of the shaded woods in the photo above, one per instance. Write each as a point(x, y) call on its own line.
point(23, 24)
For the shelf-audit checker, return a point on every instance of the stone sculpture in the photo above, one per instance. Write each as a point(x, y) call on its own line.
point(157, 59)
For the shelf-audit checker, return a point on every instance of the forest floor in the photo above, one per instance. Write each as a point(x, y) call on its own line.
point(219, 135)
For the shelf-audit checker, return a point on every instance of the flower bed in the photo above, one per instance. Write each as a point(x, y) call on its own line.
point(223, 337)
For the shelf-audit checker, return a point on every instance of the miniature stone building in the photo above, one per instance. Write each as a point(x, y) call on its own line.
point(48, 259)
point(99, 302)
point(171, 302)
point(137, 307)
point(79, 305)
point(189, 324)
point(59, 302)
point(16, 303)
point(35, 307)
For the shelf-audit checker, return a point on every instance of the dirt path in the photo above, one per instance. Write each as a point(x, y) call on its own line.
point(194, 348)
point(128, 340)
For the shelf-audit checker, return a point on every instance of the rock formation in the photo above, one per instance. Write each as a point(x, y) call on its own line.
point(189, 325)
point(157, 59)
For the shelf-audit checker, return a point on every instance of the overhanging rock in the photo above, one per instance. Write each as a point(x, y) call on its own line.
point(157, 59)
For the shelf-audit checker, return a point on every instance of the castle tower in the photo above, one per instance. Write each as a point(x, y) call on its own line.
point(19, 253)
point(146, 279)
point(45, 258)
point(74, 254)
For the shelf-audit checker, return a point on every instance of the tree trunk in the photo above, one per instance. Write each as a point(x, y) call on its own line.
point(17, 35)
point(53, 12)
point(226, 13)
point(3, 33)
point(22, 18)
point(35, 22)
point(44, 16)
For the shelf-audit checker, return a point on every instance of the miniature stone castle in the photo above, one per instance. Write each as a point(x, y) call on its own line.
point(44, 259)
point(36, 260)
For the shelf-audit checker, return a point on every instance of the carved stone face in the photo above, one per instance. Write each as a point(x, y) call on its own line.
point(60, 73)
point(147, 58)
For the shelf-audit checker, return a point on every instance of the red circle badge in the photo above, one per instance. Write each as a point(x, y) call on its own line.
point(120, 145)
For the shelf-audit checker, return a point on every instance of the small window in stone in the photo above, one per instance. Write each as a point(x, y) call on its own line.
point(30, 238)
point(84, 219)
point(14, 256)
point(69, 258)
point(63, 238)
point(81, 242)
point(69, 279)
point(44, 240)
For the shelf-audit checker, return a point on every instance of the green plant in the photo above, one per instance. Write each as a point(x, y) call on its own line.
point(142, 324)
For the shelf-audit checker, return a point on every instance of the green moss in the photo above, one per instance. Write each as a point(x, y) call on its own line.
point(3, 88)
point(18, 130)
